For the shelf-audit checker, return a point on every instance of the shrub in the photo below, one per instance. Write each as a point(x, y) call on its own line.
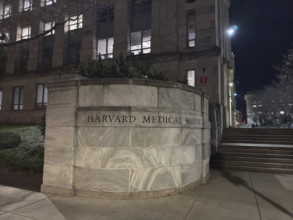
point(122, 67)
point(20, 158)
point(9, 140)
point(29, 155)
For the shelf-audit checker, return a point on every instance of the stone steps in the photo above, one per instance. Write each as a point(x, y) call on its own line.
point(257, 150)
point(254, 169)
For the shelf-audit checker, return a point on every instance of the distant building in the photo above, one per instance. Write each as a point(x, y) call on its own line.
point(185, 38)
point(268, 109)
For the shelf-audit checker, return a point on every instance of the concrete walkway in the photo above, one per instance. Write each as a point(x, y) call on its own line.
point(228, 195)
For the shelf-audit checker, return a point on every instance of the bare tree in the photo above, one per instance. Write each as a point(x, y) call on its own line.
point(285, 84)
point(58, 12)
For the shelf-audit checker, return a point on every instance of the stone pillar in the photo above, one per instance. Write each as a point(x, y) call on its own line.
point(89, 42)
point(60, 138)
point(122, 28)
point(59, 47)
point(34, 47)
point(206, 139)
point(164, 30)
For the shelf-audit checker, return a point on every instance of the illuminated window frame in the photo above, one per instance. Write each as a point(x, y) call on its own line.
point(49, 2)
point(18, 98)
point(25, 33)
point(42, 96)
point(107, 44)
point(191, 28)
point(48, 26)
point(7, 11)
point(143, 46)
point(27, 5)
point(190, 76)
point(75, 22)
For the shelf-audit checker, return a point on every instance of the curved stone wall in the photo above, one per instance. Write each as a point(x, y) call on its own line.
point(121, 138)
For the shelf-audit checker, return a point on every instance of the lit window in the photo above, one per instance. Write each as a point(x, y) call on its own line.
point(4, 37)
point(1, 99)
point(18, 98)
point(141, 42)
point(48, 26)
point(191, 78)
point(75, 22)
point(254, 106)
point(42, 94)
point(191, 29)
point(25, 33)
point(106, 14)
point(140, 7)
point(105, 47)
point(49, 2)
point(7, 11)
point(27, 5)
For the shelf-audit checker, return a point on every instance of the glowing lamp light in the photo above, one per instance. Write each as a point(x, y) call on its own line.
point(231, 84)
point(232, 30)
point(235, 94)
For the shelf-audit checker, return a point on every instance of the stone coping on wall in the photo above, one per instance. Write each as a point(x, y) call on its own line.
point(75, 80)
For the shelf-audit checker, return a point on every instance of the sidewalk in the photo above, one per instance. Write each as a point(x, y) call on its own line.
point(229, 195)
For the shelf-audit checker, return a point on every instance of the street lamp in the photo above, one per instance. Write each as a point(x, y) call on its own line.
point(231, 30)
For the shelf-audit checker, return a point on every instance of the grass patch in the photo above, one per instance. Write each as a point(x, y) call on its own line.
point(29, 155)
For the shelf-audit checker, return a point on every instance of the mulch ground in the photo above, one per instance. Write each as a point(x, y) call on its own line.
point(21, 179)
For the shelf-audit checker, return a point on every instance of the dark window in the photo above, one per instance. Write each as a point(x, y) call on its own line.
point(24, 56)
point(27, 5)
point(42, 94)
point(106, 14)
point(140, 7)
point(74, 53)
point(190, 1)
point(191, 29)
point(140, 42)
point(3, 60)
point(18, 98)
point(105, 47)
point(1, 99)
point(7, 10)
point(74, 46)
point(46, 52)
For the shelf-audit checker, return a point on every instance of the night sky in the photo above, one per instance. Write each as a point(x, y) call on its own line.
point(265, 33)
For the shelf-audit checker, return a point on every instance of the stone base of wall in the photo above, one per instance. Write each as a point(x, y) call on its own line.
point(123, 195)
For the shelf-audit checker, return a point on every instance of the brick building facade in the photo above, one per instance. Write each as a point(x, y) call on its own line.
point(185, 38)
